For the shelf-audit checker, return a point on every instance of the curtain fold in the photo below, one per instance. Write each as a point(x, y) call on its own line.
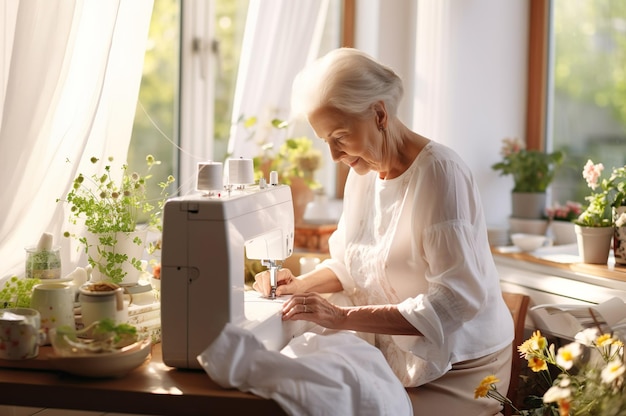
point(71, 91)
point(283, 31)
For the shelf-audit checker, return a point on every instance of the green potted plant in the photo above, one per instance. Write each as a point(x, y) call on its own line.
point(532, 172)
point(296, 162)
point(295, 158)
point(595, 226)
point(110, 211)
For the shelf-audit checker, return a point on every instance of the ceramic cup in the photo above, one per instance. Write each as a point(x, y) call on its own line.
point(102, 300)
point(20, 333)
point(55, 303)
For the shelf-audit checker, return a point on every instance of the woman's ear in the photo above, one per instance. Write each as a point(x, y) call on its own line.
point(381, 115)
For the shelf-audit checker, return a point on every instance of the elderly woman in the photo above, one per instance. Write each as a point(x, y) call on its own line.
point(410, 249)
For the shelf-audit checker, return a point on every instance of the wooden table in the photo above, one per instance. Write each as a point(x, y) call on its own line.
point(153, 388)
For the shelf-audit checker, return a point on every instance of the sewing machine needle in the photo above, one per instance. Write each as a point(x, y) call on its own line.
point(273, 282)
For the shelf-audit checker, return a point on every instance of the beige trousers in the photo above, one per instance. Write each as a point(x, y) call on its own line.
point(453, 393)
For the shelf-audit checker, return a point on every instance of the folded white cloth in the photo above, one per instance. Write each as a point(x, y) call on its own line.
point(330, 374)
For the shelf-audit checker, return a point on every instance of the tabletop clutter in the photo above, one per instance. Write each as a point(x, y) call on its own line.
point(81, 319)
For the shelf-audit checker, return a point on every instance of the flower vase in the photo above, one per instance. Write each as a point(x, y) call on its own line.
point(619, 239)
point(594, 243)
point(130, 244)
point(528, 205)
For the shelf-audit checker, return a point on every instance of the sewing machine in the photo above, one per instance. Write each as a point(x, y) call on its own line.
point(202, 268)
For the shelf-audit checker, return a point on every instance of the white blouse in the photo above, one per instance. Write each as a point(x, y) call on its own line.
point(420, 241)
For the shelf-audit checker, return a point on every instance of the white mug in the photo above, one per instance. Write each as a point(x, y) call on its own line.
point(55, 303)
point(100, 301)
point(20, 333)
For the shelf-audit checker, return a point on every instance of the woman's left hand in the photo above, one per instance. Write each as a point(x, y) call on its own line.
point(313, 307)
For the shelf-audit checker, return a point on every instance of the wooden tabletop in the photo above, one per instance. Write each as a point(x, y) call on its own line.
point(153, 388)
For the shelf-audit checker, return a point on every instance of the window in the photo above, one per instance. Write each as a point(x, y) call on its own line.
point(187, 89)
point(157, 126)
point(586, 89)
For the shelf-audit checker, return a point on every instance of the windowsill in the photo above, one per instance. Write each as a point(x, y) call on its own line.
point(563, 261)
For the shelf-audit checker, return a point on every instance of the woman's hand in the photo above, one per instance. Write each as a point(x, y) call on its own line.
point(285, 281)
point(314, 308)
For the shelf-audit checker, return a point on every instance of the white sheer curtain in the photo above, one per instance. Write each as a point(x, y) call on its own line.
point(432, 68)
point(280, 37)
point(69, 76)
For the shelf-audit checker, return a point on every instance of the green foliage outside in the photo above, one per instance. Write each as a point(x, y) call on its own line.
point(589, 74)
point(155, 130)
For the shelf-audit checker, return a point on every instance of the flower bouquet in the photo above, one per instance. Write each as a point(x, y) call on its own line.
point(589, 376)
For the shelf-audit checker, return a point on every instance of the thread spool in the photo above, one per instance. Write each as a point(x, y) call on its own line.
point(210, 177)
point(240, 171)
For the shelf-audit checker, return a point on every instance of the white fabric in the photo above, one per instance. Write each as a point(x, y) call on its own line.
point(72, 83)
point(280, 37)
point(334, 374)
point(420, 241)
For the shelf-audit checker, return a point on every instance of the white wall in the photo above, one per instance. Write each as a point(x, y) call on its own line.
point(465, 70)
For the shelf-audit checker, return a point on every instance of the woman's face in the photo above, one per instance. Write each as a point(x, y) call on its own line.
point(353, 141)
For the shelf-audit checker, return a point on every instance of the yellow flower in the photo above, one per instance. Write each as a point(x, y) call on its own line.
point(537, 364)
point(536, 343)
point(485, 385)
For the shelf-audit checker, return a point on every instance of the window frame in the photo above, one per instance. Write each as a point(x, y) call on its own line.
point(537, 84)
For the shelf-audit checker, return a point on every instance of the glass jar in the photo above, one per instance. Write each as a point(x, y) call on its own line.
point(43, 264)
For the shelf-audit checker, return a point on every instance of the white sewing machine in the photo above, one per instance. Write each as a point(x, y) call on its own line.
point(202, 268)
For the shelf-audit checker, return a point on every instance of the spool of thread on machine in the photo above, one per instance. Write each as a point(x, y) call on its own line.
point(240, 171)
point(210, 177)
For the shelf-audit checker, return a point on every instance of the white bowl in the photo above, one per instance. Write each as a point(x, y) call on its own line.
point(530, 242)
point(114, 364)
point(526, 226)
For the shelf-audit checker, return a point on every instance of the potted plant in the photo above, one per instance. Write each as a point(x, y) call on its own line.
point(296, 157)
point(595, 225)
point(532, 172)
point(110, 211)
point(296, 162)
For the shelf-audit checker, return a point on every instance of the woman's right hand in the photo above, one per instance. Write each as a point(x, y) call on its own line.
point(286, 283)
